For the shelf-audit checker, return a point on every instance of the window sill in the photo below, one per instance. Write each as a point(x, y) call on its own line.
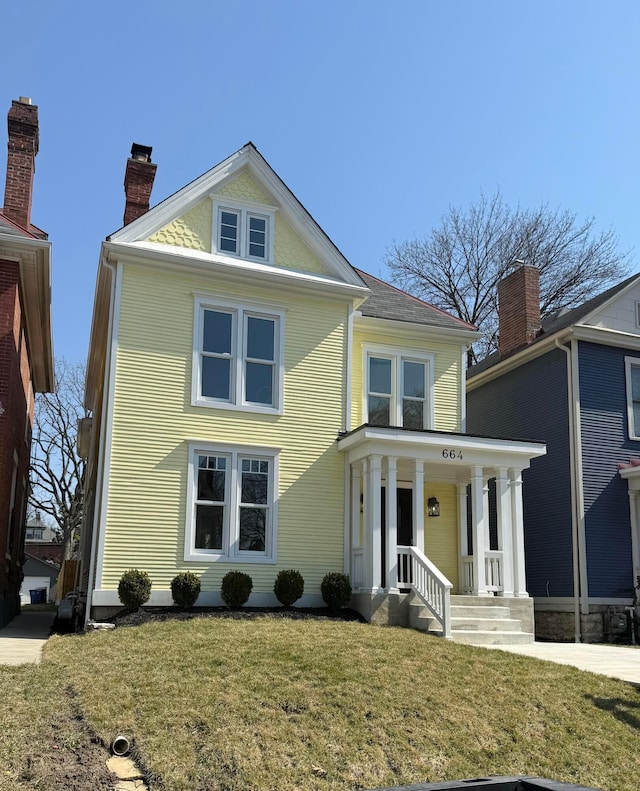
point(205, 557)
point(253, 408)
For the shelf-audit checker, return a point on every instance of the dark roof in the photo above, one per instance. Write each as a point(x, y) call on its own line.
point(558, 322)
point(388, 302)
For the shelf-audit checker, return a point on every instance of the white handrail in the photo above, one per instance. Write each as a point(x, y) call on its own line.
point(433, 588)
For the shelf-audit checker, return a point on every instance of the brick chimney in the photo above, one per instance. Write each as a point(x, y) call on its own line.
point(518, 309)
point(138, 182)
point(22, 123)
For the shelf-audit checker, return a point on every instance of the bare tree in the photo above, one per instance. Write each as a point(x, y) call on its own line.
point(458, 266)
point(57, 472)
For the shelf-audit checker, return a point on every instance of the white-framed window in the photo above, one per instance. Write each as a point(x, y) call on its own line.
point(243, 230)
point(638, 314)
point(398, 388)
point(632, 375)
point(238, 356)
point(231, 503)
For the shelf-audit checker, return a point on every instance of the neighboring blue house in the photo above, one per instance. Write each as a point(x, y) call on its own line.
point(574, 383)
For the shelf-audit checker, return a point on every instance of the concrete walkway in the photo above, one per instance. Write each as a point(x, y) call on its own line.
point(22, 639)
point(621, 662)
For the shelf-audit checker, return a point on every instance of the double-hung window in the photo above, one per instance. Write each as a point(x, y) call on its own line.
point(632, 372)
point(398, 389)
point(237, 356)
point(231, 503)
point(244, 231)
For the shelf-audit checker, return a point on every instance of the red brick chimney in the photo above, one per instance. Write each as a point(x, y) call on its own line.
point(518, 309)
point(138, 182)
point(22, 123)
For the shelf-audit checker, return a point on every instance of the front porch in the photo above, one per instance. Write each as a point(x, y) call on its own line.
point(392, 546)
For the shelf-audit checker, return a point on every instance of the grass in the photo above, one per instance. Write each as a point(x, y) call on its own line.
point(276, 704)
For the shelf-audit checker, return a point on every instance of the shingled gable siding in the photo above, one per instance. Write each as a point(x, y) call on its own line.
point(530, 402)
point(605, 442)
point(447, 373)
point(154, 422)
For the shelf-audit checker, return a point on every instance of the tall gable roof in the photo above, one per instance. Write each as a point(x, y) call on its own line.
point(388, 302)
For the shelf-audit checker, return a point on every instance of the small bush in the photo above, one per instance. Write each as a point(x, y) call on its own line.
point(134, 589)
point(335, 589)
point(185, 589)
point(236, 588)
point(288, 587)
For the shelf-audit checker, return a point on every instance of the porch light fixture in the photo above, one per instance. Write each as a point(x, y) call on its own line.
point(433, 506)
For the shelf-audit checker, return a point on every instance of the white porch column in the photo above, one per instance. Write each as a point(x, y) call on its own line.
point(478, 517)
point(367, 540)
point(505, 544)
point(354, 508)
point(418, 504)
point(462, 533)
point(635, 538)
point(375, 517)
point(485, 506)
point(391, 537)
point(517, 531)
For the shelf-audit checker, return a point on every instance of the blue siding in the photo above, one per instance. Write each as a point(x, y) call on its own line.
point(605, 442)
point(530, 402)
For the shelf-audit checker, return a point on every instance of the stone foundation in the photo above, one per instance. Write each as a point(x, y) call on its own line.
point(604, 624)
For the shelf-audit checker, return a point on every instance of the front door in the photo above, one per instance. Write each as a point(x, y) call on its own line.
point(404, 522)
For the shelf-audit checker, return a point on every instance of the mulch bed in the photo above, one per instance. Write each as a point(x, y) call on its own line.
point(150, 614)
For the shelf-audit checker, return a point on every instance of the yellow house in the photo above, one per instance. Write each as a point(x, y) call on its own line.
point(259, 404)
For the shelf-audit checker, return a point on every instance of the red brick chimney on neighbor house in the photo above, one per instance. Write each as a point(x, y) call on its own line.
point(138, 182)
point(518, 309)
point(22, 123)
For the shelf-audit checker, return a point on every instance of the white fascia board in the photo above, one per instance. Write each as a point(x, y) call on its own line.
point(34, 259)
point(606, 337)
point(518, 359)
point(404, 329)
point(437, 447)
point(196, 262)
point(213, 180)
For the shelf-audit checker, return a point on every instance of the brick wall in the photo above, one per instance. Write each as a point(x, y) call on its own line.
point(518, 309)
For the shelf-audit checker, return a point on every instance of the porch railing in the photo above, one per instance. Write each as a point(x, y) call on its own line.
point(494, 581)
point(357, 568)
point(416, 571)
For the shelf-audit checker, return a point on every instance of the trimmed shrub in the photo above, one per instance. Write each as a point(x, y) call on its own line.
point(134, 589)
point(288, 587)
point(185, 589)
point(236, 588)
point(336, 589)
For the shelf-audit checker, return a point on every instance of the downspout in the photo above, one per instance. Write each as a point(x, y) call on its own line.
point(572, 471)
point(101, 444)
point(347, 427)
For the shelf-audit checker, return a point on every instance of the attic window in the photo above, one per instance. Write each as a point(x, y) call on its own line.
point(638, 314)
point(243, 231)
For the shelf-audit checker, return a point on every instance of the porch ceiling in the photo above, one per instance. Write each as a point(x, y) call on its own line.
point(447, 454)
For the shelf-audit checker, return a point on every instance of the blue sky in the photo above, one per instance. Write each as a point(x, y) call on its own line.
point(377, 115)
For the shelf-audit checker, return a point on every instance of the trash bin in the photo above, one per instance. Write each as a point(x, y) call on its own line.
point(38, 596)
point(495, 784)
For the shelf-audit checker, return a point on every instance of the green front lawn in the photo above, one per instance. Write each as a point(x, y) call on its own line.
point(277, 704)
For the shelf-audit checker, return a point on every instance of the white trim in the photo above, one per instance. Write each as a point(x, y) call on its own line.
point(408, 329)
point(582, 541)
point(638, 314)
point(398, 357)
point(629, 363)
point(108, 420)
point(239, 312)
point(244, 211)
point(348, 370)
point(235, 453)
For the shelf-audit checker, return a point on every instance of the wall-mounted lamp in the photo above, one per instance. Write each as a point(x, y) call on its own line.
point(362, 503)
point(433, 506)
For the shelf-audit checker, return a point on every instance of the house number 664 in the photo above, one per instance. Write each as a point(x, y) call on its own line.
point(450, 453)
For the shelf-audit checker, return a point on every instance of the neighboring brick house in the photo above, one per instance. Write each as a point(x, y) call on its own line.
point(42, 541)
point(26, 358)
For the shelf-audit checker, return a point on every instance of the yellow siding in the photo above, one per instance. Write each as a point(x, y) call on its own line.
point(154, 421)
point(290, 252)
point(441, 532)
point(243, 187)
point(192, 230)
point(447, 374)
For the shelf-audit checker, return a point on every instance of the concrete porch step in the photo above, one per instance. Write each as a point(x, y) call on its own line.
point(485, 624)
point(469, 611)
point(472, 637)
